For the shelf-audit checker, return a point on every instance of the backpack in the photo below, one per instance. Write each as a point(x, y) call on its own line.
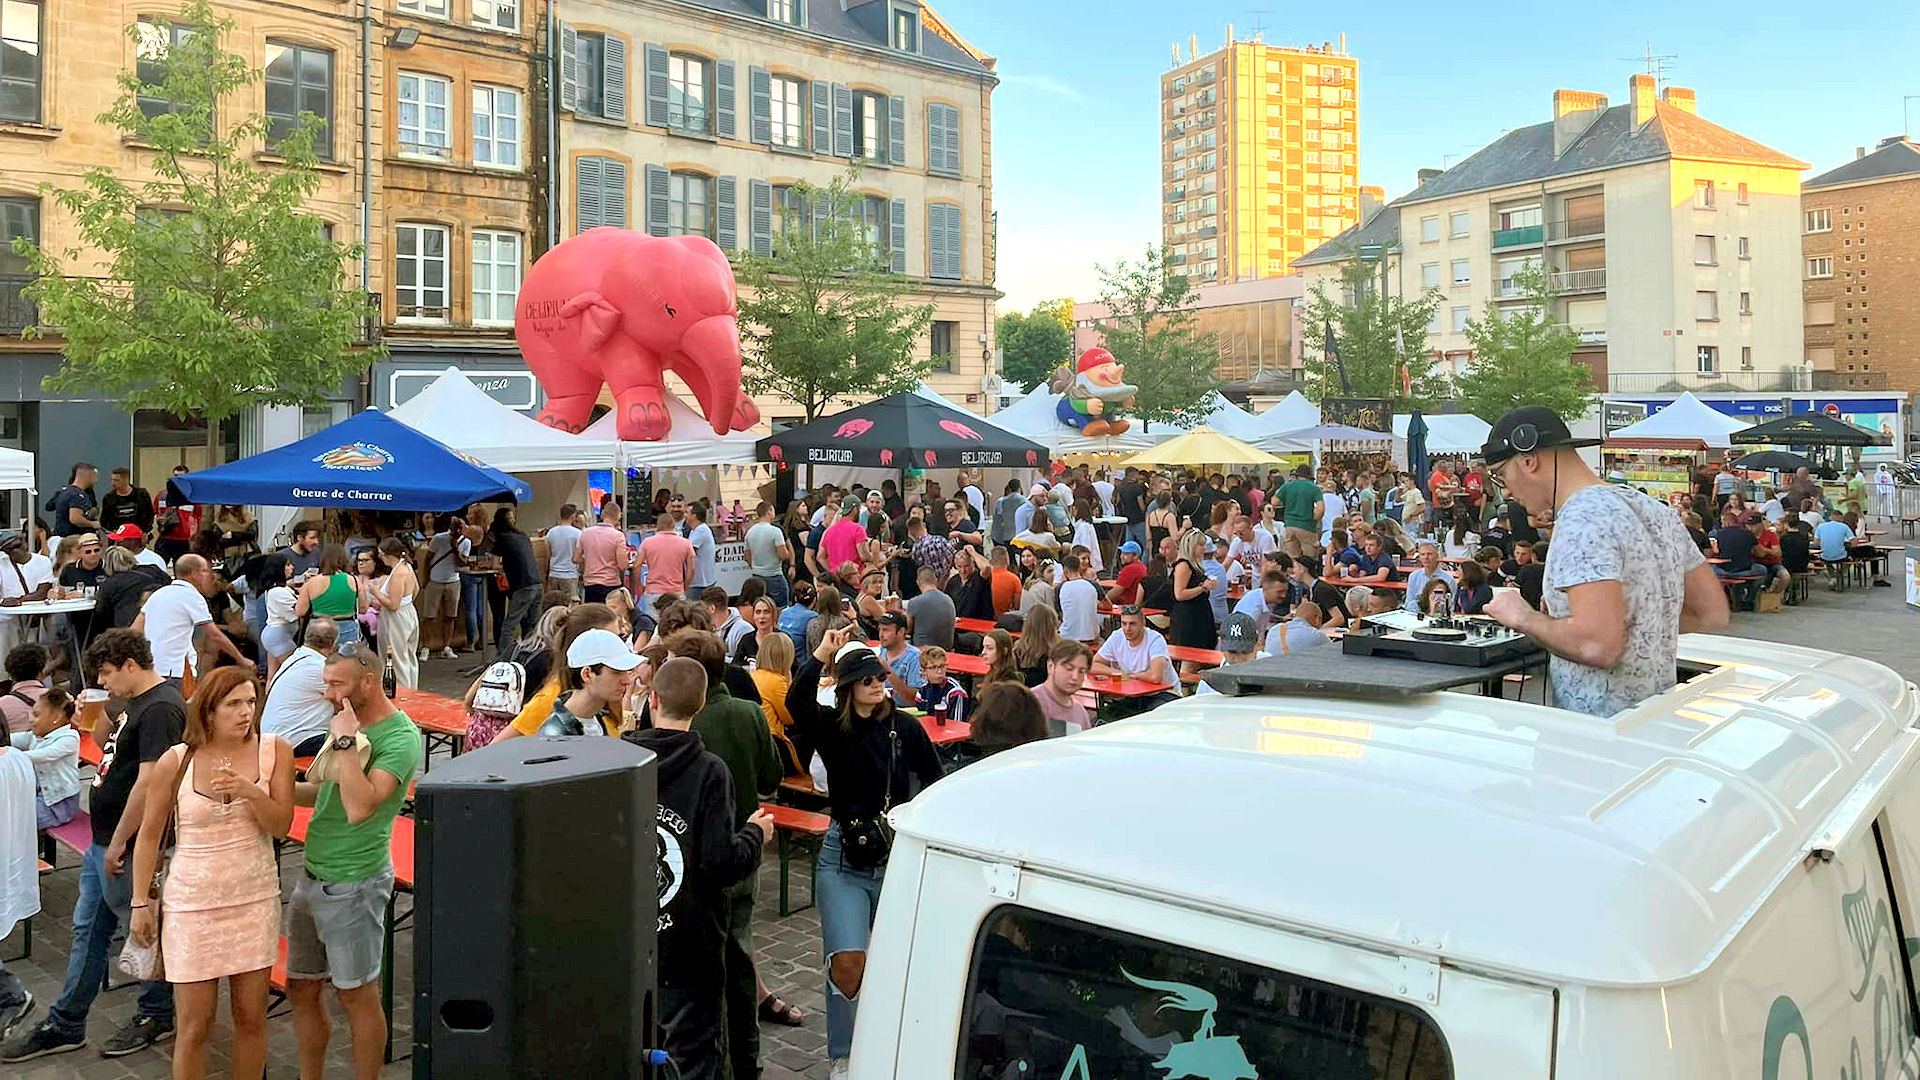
point(503, 689)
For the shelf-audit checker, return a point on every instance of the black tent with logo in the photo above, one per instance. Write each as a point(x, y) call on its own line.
point(904, 431)
point(1809, 429)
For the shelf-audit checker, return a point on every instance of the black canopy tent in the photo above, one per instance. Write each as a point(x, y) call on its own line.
point(903, 431)
point(1808, 429)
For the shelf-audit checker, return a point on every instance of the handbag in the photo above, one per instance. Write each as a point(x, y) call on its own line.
point(865, 842)
point(145, 962)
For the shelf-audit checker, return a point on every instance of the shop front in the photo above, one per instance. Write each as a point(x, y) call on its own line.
point(500, 373)
point(1882, 411)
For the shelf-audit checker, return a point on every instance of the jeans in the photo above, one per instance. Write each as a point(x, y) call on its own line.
point(777, 588)
point(1137, 532)
point(256, 615)
point(105, 904)
point(473, 598)
point(523, 616)
point(848, 899)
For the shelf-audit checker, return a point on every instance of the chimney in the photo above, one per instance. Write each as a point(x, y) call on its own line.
point(1640, 94)
point(1421, 176)
point(1573, 112)
point(1890, 140)
point(1373, 199)
point(1680, 98)
point(1859, 152)
point(1193, 47)
point(1229, 33)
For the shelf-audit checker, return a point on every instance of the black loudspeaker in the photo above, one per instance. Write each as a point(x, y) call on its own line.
point(534, 944)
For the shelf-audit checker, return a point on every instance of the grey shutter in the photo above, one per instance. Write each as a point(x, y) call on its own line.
point(801, 11)
point(586, 193)
point(726, 220)
point(897, 234)
point(955, 243)
point(896, 130)
point(723, 121)
point(760, 217)
point(936, 239)
point(657, 192)
point(842, 121)
point(936, 137)
point(822, 211)
point(613, 193)
point(569, 68)
point(656, 86)
point(759, 106)
point(822, 118)
point(950, 146)
point(613, 86)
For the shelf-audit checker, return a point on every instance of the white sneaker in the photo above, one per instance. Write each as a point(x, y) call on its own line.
point(838, 1070)
point(426, 654)
point(449, 654)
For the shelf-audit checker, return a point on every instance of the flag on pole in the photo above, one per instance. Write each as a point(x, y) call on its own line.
point(1401, 367)
point(1331, 350)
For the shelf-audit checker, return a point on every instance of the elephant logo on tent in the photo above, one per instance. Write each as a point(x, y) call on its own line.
point(853, 429)
point(357, 456)
point(886, 458)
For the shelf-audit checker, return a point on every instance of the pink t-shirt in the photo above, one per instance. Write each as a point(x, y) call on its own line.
point(841, 542)
point(603, 555)
point(665, 555)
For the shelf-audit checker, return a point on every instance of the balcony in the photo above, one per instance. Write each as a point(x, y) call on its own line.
point(1176, 260)
point(1524, 236)
point(1576, 228)
point(1792, 378)
point(1205, 79)
point(1176, 194)
point(1178, 87)
point(1591, 335)
point(1208, 232)
point(17, 313)
point(1568, 282)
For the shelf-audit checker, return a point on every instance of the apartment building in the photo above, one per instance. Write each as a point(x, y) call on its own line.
point(447, 187)
point(701, 117)
point(1255, 324)
point(1862, 324)
point(1672, 242)
point(1259, 155)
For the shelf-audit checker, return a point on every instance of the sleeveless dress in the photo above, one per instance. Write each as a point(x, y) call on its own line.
point(340, 601)
point(1192, 619)
point(400, 637)
point(220, 906)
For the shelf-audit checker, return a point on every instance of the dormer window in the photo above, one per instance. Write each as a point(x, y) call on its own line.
point(906, 31)
point(791, 12)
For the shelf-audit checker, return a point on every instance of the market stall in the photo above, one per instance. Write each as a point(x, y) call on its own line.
point(903, 431)
point(1659, 454)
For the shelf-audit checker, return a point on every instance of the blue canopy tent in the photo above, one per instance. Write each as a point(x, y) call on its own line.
point(368, 461)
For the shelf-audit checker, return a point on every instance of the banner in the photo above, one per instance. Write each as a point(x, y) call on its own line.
point(1373, 414)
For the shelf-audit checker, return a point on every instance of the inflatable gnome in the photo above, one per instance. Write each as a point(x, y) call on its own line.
point(1093, 394)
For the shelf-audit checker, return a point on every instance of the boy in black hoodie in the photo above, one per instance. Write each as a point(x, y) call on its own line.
point(701, 854)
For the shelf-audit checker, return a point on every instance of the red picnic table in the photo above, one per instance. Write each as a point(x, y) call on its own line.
point(400, 851)
point(975, 626)
point(957, 662)
point(442, 720)
point(953, 731)
point(1111, 686)
point(1187, 654)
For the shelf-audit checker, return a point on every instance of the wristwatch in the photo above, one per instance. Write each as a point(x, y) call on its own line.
point(343, 742)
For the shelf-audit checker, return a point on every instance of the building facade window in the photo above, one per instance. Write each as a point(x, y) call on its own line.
point(156, 40)
point(19, 219)
point(1460, 319)
point(496, 127)
point(1740, 194)
point(1746, 358)
point(1746, 249)
point(1746, 303)
point(299, 79)
point(688, 197)
point(1430, 275)
point(1820, 267)
point(906, 31)
point(1460, 272)
point(869, 126)
point(784, 11)
point(420, 272)
point(790, 213)
point(1704, 253)
point(687, 94)
point(1818, 220)
point(432, 9)
point(589, 52)
point(1703, 194)
point(1430, 230)
point(496, 276)
point(870, 214)
point(425, 118)
point(497, 14)
point(20, 65)
point(1457, 224)
point(942, 344)
point(1706, 306)
point(1706, 359)
point(787, 111)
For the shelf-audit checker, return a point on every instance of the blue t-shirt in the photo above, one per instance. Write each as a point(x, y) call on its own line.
point(1834, 536)
point(71, 498)
point(1214, 569)
point(793, 623)
point(907, 666)
point(1735, 544)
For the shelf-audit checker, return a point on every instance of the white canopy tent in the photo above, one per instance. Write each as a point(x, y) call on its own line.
point(1448, 433)
point(1687, 420)
point(1034, 417)
point(1293, 413)
point(692, 443)
point(16, 474)
point(460, 414)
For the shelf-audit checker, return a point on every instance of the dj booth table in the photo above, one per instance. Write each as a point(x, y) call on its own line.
point(1333, 672)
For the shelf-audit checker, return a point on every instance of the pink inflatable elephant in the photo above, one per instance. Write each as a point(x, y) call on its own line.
point(621, 308)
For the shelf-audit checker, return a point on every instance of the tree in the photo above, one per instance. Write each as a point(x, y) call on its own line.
point(1059, 310)
point(1150, 329)
point(1378, 336)
point(1521, 356)
point(820, 319)
point(216, 290)
point(1032, 346)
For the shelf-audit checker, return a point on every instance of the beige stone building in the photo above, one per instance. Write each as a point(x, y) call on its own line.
point(1256, 325)
point(701, 116)
point(1674, 243)
point(1861, 227)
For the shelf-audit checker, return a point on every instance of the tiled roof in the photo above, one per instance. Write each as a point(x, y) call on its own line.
point(1895, 157)
point(826, 17)
point(1383, 229)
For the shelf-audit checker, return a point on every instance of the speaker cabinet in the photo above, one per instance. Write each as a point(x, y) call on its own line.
point(534, 940)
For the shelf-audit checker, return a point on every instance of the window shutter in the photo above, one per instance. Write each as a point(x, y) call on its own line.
point(897, 234)
point(723, 123)
point(586, 193)
point(822, 211)
point(657, 192)
point(800, 9)
point(760, 217)
point(950, 157)
point(896, 130)
point(936, 137)
point(842, 121)
point(613, 89)
point(726, 221)
point(954, 244)
point(759, 106)
point(569, 68)
point(656, 86)
point(613, 193)
point(822, 118)
point(936, 240)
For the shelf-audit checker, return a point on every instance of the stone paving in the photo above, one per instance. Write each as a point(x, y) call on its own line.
point(1871, 623)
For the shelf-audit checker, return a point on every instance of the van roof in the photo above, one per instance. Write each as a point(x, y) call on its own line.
point(1489, 833)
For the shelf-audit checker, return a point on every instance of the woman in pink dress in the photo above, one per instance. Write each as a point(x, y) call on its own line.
point(222, 896)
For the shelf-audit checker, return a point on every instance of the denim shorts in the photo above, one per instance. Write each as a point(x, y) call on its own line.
point(338, 929)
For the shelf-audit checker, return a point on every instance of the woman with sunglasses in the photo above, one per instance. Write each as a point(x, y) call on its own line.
point(876, 757)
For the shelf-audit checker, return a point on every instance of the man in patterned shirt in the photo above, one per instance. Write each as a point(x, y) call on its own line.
point(1623, 578)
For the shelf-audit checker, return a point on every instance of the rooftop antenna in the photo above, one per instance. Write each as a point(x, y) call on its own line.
point(1259, 24)
point(1657, 64)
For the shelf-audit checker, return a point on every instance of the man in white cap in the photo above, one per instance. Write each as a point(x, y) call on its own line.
point(605, 664)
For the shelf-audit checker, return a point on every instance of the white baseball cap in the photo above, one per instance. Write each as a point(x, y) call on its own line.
point(602, 647)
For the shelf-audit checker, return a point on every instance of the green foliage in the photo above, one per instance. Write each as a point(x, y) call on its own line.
point(217, 291)
point(1522, 357)
point(1377, 336)
point(1150, 329)
point(1059, 310)
point(819, 321)
point(1032, 345)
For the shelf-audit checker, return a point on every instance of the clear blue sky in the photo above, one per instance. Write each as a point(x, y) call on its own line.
point(1076, 158)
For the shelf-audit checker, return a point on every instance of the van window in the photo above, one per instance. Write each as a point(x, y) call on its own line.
point(1051, 998)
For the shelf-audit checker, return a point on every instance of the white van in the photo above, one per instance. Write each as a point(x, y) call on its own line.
point(1721, 882)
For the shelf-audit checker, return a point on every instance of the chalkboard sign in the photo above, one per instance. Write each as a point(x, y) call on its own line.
point(1372, 414)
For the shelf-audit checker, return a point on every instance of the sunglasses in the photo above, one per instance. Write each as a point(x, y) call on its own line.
point(872, 680)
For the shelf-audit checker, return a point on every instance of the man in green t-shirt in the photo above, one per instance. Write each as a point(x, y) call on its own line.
point(336, 923)
point(1300, 511)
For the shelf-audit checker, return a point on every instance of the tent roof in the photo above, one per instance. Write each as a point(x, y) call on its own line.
point(16, 468)
point(693, 442)
point(1686, 418)
point(461, 415)
point(1033, 417)
point(1291, 413)
point(906, 430)
point(1448, 433)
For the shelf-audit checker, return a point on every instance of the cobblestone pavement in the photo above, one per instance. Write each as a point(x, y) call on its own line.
point(1869, 622)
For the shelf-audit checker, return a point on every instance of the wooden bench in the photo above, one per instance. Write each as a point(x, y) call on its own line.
point(76, 836)
point(794, 828)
